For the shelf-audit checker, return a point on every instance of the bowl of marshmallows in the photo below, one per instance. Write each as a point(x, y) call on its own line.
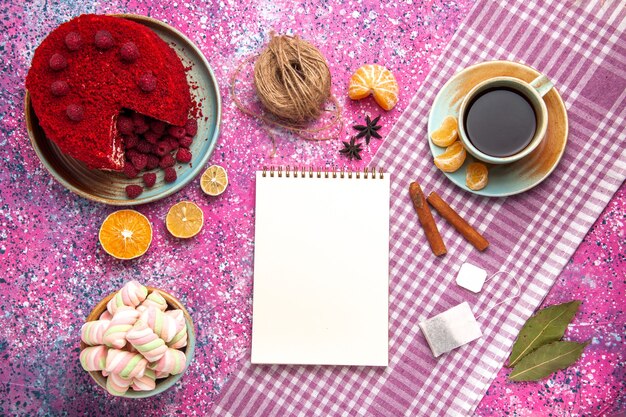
point(137, 342)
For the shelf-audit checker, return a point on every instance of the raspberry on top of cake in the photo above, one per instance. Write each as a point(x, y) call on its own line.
point(86, 71)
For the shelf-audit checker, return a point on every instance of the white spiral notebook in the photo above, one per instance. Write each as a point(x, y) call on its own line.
point(321, 268)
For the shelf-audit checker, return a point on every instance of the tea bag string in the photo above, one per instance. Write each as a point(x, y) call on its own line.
point(518, 291)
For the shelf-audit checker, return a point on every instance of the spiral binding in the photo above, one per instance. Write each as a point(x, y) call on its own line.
point(311, 172)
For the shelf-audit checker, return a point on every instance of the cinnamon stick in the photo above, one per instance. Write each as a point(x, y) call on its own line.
point(426, 219)
point(457, 222)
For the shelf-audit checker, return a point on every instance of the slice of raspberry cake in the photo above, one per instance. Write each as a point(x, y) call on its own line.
point(88, 70)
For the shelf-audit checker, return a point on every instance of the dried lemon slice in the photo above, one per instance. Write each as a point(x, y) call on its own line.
point(447, 132)
point(125, 234)
point(476, 177)
point(184, 219)
point(452, 158)
point(214, 180)
point(376, 80)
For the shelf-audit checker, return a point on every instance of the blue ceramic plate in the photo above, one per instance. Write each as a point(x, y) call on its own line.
point(109, 187)
point(520, 176)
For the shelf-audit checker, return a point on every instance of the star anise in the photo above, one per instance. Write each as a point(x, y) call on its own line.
point(351, 149)
point(370, 129)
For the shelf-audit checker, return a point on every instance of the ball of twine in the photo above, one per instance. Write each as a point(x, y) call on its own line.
point(292, 79)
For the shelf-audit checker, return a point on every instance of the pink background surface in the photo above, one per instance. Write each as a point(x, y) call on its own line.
point(54, 270)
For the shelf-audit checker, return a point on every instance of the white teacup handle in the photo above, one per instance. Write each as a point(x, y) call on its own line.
point(542, 84)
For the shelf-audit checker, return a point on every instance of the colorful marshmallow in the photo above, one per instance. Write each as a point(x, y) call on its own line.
point(93, 358)
point(143, 338)
point(162, 324)
point(154, 299)
point(122, 321)
point(173, 362)
point(116, 385)
point(146, 383)
point(127, 365)
point(92, 332)
point(131, 294)
point(106, 315)
point(180, 338)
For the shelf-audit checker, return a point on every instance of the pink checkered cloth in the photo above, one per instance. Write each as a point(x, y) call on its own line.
point(582, 49)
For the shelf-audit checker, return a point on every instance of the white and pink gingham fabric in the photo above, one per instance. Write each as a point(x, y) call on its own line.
point(582, 49)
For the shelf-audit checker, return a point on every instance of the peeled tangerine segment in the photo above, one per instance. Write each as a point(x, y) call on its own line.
point(184, 219)
point(452, 158)
point(376, 80)
point(447, 132)
point(125, 234)
point(476, 177)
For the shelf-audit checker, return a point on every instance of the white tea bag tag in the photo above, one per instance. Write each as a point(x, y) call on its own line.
point(451, 329)
point(471, 277)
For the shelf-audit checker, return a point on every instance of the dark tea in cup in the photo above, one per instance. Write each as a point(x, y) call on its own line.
point(503, 119)
point(500, 121)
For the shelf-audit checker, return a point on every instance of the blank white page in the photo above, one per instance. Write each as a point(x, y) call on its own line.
point(321, 271)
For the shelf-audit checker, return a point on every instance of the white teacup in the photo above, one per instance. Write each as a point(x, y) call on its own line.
point(533, 92)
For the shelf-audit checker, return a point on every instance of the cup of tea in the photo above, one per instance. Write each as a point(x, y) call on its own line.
point(503, 119)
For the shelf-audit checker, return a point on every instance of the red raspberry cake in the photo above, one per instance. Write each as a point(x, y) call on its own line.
point(88, 70)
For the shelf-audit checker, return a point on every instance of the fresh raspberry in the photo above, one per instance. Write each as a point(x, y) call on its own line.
point(144, 146)
point(147, 83)
point(157, 127)
point(141, 129)
point(191, 127)
point(149, 178)
point(153, 161)
point(104, 40)
point(139, 122)
point(173, 142)
point(139, 161)
point(125, 125)
point(131, 153)
point(57, 62)
point(129, 52)
point(75, 112)
point(73, 41)
point(133, 191)
point(176, 131)
point(151, 137)
point(138, 119)
point(59, 88)
point(170, 174)
point(130, 171)
point(186, 141)
point(130, 141)
point(183, 155)
point(162, 148)
point(167, 161)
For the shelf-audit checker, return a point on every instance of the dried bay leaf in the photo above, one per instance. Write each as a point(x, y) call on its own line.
point(547, 359)
point(547, 326)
